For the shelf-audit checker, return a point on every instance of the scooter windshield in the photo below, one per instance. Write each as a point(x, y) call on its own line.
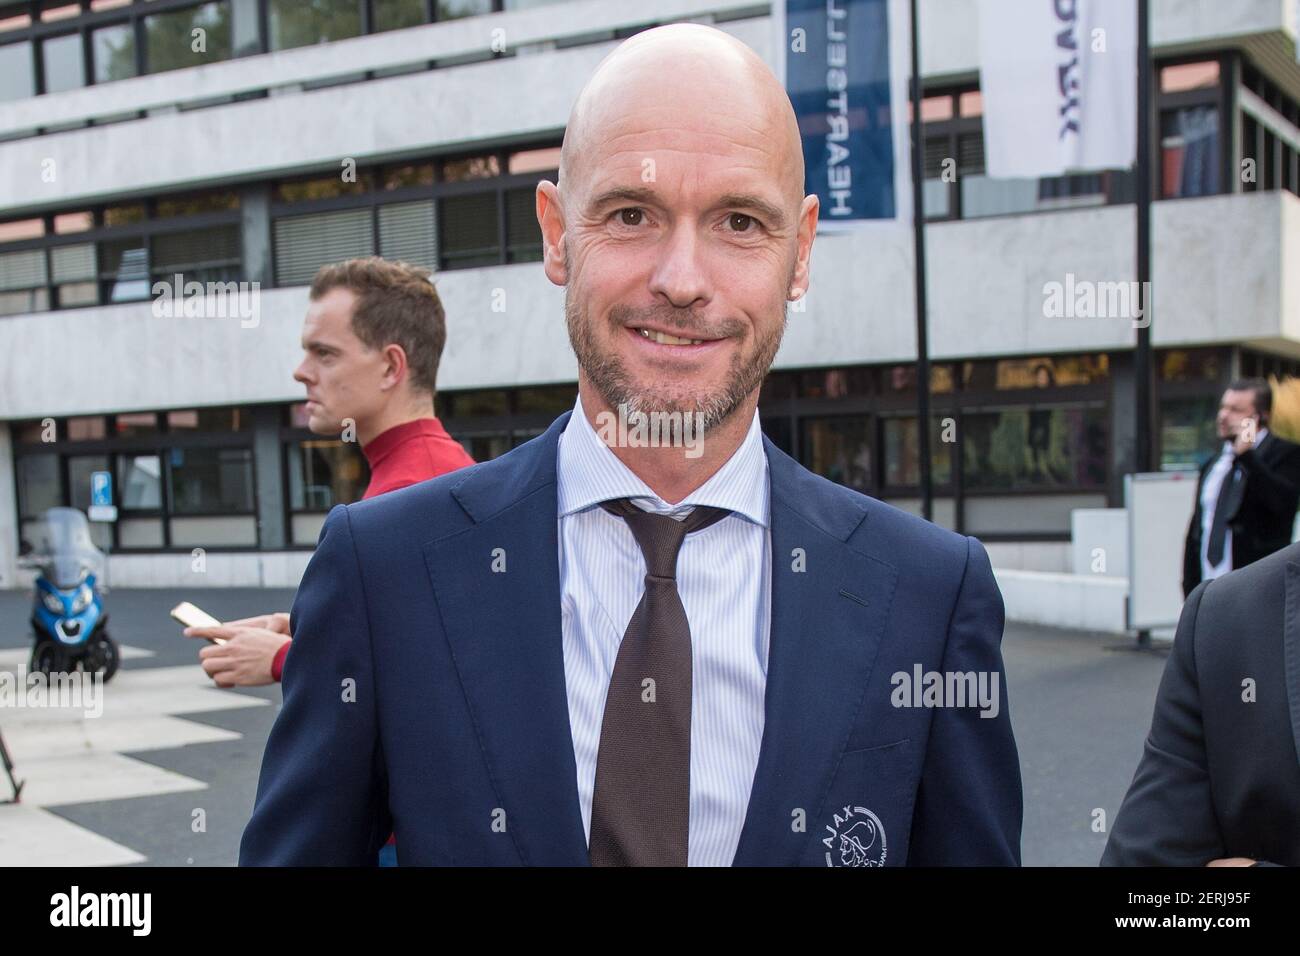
point(65, 547)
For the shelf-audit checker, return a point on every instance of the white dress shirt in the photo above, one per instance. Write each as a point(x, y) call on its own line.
point(724, 580)
point(1219, 472)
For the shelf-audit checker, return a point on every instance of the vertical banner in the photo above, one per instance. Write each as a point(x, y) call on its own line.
point(844, 64)
point(1059, 81)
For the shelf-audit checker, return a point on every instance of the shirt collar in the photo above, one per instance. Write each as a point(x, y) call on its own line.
point(588, 472)
point(386, 442)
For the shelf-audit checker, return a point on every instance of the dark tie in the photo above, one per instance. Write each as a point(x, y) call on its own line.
point(640, 808)
point(1219, 523)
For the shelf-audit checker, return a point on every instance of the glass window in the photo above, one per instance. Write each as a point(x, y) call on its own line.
point(38, 484)
point(1039, 372)
point(983, 196)
point(535, 160)
point(549, 400)
point(1189, 365)
point(324, 187)
point(16, 22)
point(1189, 76)
point(406, 232)
point(139, 482)
point(902, 461)
point(971, 103)
point(777, 429)
point(469, 231)
point(485, 447)
point(195, 204)
point(523, 233)
point(305, 243)
point(455, 9)
point(937, 188)
point(188, 37)
point(246, 38)
point(934, 109)
point(124, 270)
point(1034, 448)
point(124, 215)
point(209, 420)
point(396, 14)
point(72, 269)
point(1189, 152)
point(1188, 434)
point(937, 197)
point(324, 473)
point(902, 378)
point(139, 533)
point(404, 177)
point(80, 468)
point(470, 167)
point(63, 11)
point(836, 382)
point(64, 67)
point(839, 448)
point(201, 255)
point(17, 81)
point(114, 51)
point(778, 386)
point(68, 223)
point(17, 229)
point(303, 22)
point(136, 423)
point(22, 280)
point(479, 404)
point(211, 480)
point(22, 270)
point(33, 432)
point(87, 428)
point(24, 301)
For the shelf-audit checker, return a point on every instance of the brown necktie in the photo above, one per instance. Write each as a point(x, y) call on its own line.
point(640, 808)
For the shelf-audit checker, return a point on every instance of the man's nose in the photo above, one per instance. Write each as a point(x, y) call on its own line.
point(679, 274)
point(300, 373)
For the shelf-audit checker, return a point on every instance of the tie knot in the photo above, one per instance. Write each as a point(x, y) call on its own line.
point(659, 536)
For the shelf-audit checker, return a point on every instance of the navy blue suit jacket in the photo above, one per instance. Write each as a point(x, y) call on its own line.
point(425, 692)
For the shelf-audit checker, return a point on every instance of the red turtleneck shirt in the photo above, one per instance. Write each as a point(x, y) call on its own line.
point(405, 454)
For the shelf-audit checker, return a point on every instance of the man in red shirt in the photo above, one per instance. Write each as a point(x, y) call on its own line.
point(373, 337)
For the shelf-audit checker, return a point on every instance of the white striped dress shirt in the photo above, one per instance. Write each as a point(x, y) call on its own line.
point(724, 579)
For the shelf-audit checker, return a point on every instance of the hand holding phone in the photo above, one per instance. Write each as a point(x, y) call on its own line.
point(191, 616)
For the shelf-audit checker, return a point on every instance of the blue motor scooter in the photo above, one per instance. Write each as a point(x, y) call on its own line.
point(68, 615)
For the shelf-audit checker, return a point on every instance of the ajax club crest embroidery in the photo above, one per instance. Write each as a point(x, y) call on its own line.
point(856, 837)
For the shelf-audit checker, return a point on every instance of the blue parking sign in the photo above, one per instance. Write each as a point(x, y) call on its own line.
point(101, 488)
point(101, 497)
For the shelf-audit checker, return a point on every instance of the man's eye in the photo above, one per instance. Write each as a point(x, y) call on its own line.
point(740, 222)
point(630, 217)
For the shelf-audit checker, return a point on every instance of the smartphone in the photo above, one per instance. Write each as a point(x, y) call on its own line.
point(191, 616)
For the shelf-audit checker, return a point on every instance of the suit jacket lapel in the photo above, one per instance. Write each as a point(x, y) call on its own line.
point(1291, 649)
point(498, 589)
point(1237, 475)
point(827, 624)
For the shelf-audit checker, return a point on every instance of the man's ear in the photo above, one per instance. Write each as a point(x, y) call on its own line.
point(395, 366)
point(808, 214)
point(550, 216)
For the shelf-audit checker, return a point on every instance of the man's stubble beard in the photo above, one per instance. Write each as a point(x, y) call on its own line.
point(610, 378)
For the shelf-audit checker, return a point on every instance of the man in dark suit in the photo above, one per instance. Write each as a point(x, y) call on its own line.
point(1246, 497)
point(1219, 780)
point(605, 648)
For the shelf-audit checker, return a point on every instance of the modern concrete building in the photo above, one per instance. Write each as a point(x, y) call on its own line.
point(254, 140)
